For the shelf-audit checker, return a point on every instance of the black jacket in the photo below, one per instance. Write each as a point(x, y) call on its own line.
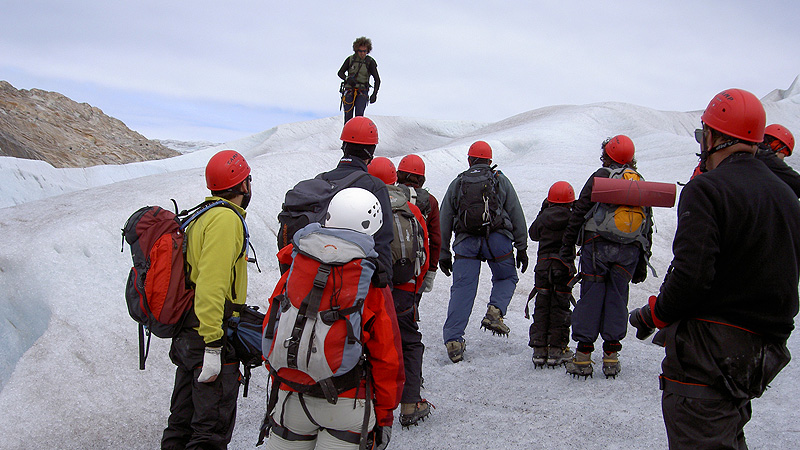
point(736, 250)
point(780, 168)
point(383, 238)
point(548, 228)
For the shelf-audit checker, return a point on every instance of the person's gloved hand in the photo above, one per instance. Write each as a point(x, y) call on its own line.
point(570, 265)
point(642, 320)
point(446, 265)
point(429, 277)
point(522, 260)
point(373, 98)
point(379, 437)
point(640, 272)
point(212, 364)
point(567, 257)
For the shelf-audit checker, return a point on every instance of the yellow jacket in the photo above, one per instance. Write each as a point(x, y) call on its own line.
point(215, 241)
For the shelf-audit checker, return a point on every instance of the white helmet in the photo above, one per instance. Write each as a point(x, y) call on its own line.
point(355, 209)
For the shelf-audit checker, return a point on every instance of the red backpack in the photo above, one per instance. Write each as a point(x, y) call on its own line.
point(158, 292)
point(312, 332)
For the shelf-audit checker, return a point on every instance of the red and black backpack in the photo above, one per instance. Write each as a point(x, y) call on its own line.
point(158, 292)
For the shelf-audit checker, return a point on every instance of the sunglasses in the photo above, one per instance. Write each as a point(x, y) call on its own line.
point(361, 51)
point(698, 135)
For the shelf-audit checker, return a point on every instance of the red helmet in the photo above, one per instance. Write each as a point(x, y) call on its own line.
point(780, 133)
point(225, 170)
point(412, 164)
point(383, 168)
point(619, 148)
point(360, 130)
point(561, 192)
point(738, 114)
point(480, 149)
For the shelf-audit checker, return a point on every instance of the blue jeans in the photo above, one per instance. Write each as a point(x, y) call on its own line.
point(603, 306)
point(498, 251)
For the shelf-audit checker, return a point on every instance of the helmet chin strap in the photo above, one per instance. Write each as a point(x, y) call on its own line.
point(705, 153)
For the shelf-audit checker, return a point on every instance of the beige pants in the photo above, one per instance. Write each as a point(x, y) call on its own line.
point(341, 416)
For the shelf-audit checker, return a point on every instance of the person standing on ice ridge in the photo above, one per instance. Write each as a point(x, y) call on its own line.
point(355, 74)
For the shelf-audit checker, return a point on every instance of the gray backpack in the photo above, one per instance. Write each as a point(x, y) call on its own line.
point(408, 245)
point(624, 224)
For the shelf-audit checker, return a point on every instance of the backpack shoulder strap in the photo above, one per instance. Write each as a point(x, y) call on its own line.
point(204, 207)
point(612, 172)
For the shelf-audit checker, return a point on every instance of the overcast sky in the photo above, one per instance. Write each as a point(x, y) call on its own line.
point(212, 70)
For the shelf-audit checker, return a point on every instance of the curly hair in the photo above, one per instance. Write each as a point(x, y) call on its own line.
point(608, 162)
point(362, 41)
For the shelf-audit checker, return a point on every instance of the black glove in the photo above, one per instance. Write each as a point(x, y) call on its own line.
point(373, 98)
point(571, 270)
point(567, 254)
point(351, 81)
point(640, 272)
point(522, 260)
point(379, 437)
point(567, 257)
point(446, 266)
point(642, 320)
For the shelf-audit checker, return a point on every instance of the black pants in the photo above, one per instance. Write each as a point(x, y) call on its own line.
point(712, 370)
point(405, 303)
point(705, 424)
point(202, 415)
point(551, 314)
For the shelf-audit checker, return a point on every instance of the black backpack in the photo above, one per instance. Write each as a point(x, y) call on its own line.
point(307, 202)
point(244, 334)
point(479, 209)
point(421, 198)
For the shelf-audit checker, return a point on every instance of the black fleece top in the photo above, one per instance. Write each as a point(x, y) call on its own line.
point(385, 235)
point(780, 168)
point(736, 252)
point(548, 227)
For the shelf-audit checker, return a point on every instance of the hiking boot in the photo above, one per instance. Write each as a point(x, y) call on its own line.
point(557, 356)
point(413, 413)
point(539, 357)
point(455, 350)
point(611, 365)
point(580, 365)
point(493, 321)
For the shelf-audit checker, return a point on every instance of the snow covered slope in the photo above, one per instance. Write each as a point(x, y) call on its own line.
point(68, 359)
